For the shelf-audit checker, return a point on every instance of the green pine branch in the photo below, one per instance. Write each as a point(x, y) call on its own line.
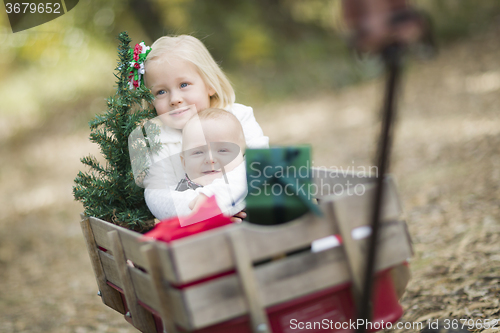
point(92, 162)
point(109, 191)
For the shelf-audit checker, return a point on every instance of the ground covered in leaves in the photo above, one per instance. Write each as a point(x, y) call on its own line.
point(446, 160)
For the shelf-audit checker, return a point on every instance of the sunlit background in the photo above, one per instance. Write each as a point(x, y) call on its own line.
point(270, 49)
point(288, 60)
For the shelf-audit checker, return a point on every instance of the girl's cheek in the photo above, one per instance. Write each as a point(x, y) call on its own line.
point(158, 107)
point(155, 104)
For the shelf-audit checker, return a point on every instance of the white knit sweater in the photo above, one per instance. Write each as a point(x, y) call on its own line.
point(164, 202)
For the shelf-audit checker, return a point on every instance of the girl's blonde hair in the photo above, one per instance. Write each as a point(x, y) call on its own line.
point(191, 49)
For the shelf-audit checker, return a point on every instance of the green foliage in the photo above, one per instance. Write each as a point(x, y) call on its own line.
point(272, 49)
point(109, 191)
point(454, 19)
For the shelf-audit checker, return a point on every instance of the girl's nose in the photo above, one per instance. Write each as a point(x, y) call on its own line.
point(175, 99)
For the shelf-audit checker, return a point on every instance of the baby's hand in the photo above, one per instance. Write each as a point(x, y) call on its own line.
point(195, 204)
point(238, 217)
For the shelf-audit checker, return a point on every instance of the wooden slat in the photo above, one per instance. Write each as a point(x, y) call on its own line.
point(329, 181)
point(251, 290)
point(142, 282)
point(355, 253)
point(151, 253)
point(132, 246)
point(179, 313)
point(141, 318)
point(130, 239)
point(110, 268)
point(165, 261)
point(400, 276)
point(179, 310)
point(188, 255)
point(213, 302)
point(279, 281)
point(395, 246)
point(101, 229)
point(209, 253)
point(356, 209)
point(304, 273)
point(147, 285)
point(267, 241)
point(144, 288)
point(110, 296)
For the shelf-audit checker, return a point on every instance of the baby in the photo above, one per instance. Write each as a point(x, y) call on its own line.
point(213, 145)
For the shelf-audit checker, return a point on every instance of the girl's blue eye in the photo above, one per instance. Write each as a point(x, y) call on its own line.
point(223, 150)
point(160, 92)
point(184, 85)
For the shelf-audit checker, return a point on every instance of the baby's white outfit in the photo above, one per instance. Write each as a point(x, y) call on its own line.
point(229, 196)
point(163, 176)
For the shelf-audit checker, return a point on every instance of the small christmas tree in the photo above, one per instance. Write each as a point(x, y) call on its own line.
point(109, 191)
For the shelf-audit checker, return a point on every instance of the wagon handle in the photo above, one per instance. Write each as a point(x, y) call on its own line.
point(385, 27)
point(392, 58)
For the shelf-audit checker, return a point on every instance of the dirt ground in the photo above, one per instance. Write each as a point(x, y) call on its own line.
point(446, 160)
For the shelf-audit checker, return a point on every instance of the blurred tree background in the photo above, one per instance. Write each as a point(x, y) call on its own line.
point(271, 49)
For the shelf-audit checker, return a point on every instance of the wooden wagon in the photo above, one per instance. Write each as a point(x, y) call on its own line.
point(251, 278)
